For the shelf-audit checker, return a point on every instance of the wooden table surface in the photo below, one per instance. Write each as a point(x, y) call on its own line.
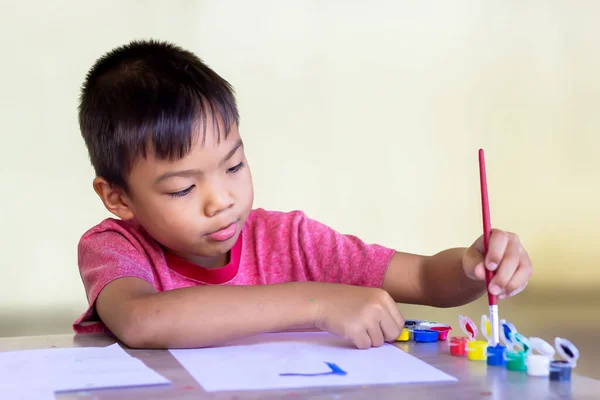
point(476, 379)
point(570, 314)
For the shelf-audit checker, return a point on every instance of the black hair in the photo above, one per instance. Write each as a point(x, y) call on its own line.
point(149, 95)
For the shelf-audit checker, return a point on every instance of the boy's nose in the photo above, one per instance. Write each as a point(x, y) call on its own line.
point(217, 199)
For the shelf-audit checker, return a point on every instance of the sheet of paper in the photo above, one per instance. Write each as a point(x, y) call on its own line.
point(72, 369)
point(297, 360)
point(25, 392)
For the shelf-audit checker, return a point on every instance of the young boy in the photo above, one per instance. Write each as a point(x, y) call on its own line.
point(190, 263)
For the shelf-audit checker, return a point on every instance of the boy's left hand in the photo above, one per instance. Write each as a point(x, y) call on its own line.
point(506, 256)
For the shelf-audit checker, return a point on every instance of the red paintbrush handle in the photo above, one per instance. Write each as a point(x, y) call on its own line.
point(487, 229)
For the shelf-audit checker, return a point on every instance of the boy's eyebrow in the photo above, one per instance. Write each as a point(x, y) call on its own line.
point(235, 148)
point(189, 172)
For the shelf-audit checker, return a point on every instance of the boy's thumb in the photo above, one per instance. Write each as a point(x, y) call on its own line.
point(473, 264)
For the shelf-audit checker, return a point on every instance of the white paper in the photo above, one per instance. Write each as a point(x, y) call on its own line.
point(71, 369)
point(256, 363)
point(25, 392)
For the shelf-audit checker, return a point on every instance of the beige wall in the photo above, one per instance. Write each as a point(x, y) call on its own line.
point(370, 115)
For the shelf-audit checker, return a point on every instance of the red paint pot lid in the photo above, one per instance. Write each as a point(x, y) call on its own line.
point(468, 327)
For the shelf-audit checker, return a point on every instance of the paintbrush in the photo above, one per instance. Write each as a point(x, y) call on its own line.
point(487, 231)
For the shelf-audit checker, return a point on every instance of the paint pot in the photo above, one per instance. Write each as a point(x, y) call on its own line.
point(442, 330)
point(560, 370)
point(515, 360)
point(458, 345)
point(539, 364)
point(495, 351)
point(495, 355)
point(515, 357)
point(425, 335)
point(404, 335)
point(477, 350)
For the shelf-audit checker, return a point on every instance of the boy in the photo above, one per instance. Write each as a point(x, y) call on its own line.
point(189, 263)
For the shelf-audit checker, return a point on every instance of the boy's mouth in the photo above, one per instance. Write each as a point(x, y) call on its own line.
point(224, 233)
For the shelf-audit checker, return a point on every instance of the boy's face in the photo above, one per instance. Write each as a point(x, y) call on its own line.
point(195, 207)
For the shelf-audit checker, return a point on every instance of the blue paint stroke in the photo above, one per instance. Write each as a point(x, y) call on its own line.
point(335, 370)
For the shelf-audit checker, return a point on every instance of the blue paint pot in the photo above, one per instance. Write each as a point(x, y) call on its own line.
point(495, 355)
point(425, 335)
point(560, 371)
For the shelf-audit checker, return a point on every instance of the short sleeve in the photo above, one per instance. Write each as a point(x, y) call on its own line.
point(330, 256)
point(106, 254)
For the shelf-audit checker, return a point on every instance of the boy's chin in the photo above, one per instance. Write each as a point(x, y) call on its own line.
point(215, 249)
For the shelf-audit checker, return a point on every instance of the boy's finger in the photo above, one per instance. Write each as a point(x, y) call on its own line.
point(395, 312)
point(361, 339)
point(496, 249)
point(520, 278)
point(513, 292)
point(479, 271)
point(473, 263)
point(507, 268)
point(390, 329)
point(376, 335)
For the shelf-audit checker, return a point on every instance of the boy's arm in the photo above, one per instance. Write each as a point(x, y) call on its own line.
point(456, 276)
point(437, 281)
point(199, 316)
point(202, 316)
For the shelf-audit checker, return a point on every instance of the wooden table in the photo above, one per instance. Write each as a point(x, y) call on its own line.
point(476, 379)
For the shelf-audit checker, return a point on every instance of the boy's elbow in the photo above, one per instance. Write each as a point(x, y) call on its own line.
point(135, 329)
point(135, 338)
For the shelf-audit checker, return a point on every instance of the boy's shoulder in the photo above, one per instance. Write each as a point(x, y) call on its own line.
point(112, 234)
point(111, 226)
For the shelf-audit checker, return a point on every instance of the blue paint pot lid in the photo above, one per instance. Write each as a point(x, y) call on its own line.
point(507, 332)
point(567, 351)
point(542, 347)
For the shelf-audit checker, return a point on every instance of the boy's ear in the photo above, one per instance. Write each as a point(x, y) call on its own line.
point(115, 200)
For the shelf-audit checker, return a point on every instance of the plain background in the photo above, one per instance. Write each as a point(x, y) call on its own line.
point(366, 115)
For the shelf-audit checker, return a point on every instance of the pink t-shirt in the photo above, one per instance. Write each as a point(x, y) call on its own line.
point(273, 247)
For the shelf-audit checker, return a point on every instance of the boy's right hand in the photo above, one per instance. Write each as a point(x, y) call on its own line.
point(367, 317)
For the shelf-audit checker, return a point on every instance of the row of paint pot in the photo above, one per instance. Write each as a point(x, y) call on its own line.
point(517, 354)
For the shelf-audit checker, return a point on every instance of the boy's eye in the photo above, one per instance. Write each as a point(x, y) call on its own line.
point(182, 192)
point(235, 168)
